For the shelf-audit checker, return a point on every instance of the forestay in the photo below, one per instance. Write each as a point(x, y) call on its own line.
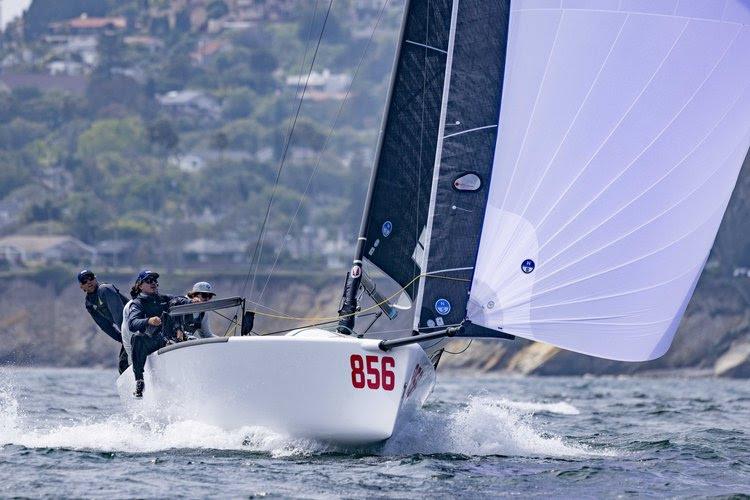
point(623, 127)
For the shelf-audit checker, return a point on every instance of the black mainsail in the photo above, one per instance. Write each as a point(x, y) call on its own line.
point(429, 187)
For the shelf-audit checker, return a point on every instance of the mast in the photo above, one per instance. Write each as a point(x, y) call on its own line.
point(354, 276)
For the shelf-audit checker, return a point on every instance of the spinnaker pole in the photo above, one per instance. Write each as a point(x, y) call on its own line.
point(354, 276)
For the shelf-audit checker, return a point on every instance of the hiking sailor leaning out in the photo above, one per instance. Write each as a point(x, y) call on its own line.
point(144, 321)
point(196, 326)
point(127, 335)
point(104, 302)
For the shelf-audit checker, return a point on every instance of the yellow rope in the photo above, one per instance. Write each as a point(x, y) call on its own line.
point(333, 318)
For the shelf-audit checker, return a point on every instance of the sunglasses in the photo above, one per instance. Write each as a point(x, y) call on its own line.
point(88, 280)
point(206, 296)
point(151, 281)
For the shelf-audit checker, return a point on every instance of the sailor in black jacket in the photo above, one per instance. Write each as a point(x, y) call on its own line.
point(104, 302)
point(144, 320)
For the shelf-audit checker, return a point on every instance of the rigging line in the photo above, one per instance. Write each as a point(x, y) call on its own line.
point(291, 122)
point(314, 324)
point(325, 147)
point(264, 306)
point(367, 309)
point(302, 63)
point(257, 252)
point(462, 350)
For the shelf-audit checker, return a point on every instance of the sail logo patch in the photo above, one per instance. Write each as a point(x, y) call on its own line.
point(387, 228)
point(442, 306)
point(527, 266)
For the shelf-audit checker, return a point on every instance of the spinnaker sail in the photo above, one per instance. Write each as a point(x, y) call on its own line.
point(623, 129)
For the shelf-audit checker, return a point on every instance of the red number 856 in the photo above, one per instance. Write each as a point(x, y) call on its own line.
point(373, 372)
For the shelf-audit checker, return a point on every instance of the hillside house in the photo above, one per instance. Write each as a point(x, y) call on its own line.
point(321, 86)
point(85, 25)
point(114, 253)
point(190, 103)
point(23, 250)
point(214, 252)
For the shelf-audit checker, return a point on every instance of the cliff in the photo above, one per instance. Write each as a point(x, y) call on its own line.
point(43, 322)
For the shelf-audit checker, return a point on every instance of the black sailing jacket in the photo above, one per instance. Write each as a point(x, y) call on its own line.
point(146, 306)
point(105, 306)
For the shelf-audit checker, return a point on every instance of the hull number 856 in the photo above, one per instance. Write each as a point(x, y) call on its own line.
point(373, 372)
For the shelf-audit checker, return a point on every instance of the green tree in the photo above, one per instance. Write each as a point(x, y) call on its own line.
point(42, 211)
point(308, 134)
point(14, 172)
point(238, 104)
point(263, 61)
point(124, 136)
point(88, 216)
point(162, 134)
point(19, 132)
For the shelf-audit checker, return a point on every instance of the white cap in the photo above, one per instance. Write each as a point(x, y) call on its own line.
point(202, 287)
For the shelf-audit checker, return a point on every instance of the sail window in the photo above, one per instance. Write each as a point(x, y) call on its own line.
point(468, 182)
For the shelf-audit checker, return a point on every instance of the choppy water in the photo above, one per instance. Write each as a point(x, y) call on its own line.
point(62, 434)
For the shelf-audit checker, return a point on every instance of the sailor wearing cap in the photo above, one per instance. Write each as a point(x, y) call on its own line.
point(104, 302)
point(197, 325)
point(144, 321)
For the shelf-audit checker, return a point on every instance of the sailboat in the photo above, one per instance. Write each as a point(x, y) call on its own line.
point(553, 170)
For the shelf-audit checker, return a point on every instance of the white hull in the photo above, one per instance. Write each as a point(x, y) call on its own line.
point(313, 385)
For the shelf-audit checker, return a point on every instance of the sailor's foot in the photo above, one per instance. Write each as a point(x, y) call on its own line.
point(139, 386)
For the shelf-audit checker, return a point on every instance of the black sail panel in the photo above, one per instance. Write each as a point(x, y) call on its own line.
point(468, 144)
point(401, 187)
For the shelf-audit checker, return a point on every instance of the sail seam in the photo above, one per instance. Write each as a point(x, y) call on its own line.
point(470, 130)
point(648, 147)
point(427, 46)
point(438, 158)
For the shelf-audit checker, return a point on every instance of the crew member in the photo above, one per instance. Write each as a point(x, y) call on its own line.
point(127, 335)
point(197, 325)
point(144, 321)
point(104, 302)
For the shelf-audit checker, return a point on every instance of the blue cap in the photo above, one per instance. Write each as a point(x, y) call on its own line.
point(145, 274)
point(84, 275)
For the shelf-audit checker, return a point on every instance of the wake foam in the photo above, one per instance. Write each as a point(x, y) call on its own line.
point(561, 408)
point(484, 426)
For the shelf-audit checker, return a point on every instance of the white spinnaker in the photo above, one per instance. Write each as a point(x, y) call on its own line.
point(623, 128)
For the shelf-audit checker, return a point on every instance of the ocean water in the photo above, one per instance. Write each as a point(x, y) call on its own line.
point(63, 434)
